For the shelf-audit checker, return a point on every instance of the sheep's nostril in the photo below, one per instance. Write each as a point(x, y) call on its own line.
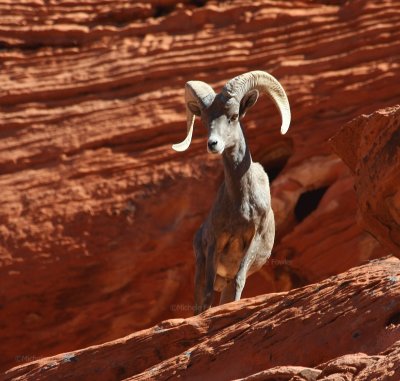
point(212, 144)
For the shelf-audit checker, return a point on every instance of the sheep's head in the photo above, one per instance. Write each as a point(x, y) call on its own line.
point(221, 113)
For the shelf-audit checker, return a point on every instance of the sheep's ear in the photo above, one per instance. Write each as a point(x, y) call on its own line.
point(248, 100)
point(194, 108)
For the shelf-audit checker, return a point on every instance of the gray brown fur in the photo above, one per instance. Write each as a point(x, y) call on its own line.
point(237, 236)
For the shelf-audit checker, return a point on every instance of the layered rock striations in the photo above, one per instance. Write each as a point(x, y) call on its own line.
point(97, 212)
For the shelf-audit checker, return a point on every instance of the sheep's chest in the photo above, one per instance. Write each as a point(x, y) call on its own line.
point(240, 227)
point(243, 221)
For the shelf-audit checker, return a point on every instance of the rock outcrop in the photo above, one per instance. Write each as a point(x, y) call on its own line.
point(97, 212)
point(345, 327)
point(370, 146)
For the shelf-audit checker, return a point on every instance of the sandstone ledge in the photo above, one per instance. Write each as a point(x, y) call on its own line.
point(347, 325)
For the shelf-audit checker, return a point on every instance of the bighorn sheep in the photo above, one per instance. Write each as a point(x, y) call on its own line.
point(236, 238)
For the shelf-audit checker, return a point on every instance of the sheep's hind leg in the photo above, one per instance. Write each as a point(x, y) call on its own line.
point(210, 277)
point(199, 285)
point(228, 293)
point(200, 274)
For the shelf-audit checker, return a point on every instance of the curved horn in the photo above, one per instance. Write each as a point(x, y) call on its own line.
point(237, 87)
point(199, 95)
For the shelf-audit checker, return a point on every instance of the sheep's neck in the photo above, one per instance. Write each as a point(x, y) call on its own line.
point(237, 161)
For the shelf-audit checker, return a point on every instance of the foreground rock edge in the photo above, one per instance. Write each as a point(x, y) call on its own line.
point(357, 311)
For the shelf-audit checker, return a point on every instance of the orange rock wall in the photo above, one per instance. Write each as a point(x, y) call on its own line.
point(97, 212)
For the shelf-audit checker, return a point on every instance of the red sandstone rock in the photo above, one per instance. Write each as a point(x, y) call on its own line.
point(97, 212)
point(346, 326)
point(285, 373)
point(354, 367)
point(369, 145)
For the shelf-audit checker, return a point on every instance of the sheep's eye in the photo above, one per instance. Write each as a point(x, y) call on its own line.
point(234, 117)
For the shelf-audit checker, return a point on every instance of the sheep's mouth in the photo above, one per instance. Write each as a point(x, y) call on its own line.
point(215, 151)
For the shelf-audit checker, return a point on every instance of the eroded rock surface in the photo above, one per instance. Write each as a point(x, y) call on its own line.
point(98, 213)
point(370, 146)
point(345, 327)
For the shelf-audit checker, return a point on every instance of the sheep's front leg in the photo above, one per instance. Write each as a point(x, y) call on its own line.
point(240, 279)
